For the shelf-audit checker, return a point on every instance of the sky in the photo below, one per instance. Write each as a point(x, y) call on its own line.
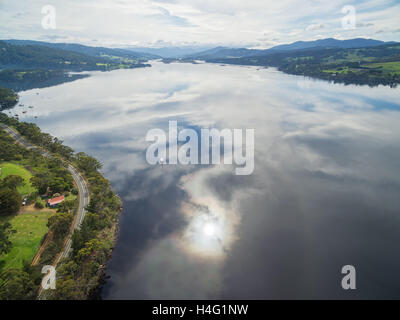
point(165, 23)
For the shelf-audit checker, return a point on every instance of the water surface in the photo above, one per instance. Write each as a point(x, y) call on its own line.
point(324, 192)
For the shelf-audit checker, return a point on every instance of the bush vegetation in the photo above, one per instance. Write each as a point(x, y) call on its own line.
point(80, 274)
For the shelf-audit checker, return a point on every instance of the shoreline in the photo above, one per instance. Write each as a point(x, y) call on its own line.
point(96, 293)
point(106, 237)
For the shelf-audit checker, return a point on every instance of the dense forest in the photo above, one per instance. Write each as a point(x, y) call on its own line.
point(113, 53)
point(8, 98)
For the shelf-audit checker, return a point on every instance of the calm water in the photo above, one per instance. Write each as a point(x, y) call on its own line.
point(324, 192)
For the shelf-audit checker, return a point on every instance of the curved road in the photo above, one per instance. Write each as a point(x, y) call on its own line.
point(80, 182)
point(83, 202)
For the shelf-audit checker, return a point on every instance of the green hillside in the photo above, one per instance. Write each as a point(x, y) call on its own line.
point(370, 66)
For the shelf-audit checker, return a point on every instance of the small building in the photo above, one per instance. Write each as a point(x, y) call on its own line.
point(53, 203)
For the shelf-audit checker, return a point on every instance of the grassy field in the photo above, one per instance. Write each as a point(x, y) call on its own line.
point(70, 197)
point(341, 70)
point(385, 67)
point(392, 67)
point(30, 227)
point(8, 168)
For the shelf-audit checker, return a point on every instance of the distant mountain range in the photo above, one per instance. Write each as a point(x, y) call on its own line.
point(330, 43)
point(170, 52)
point(26, 64)
point(223, 52)
point(199, 52)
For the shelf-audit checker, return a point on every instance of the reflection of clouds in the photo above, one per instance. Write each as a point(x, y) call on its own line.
point(164, 271)
point(209, 231)
point(204, 210)
point(324, 192)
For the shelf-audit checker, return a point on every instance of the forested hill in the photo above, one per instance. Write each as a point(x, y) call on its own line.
point(329, 43)
point(34, 56)
point(369, 65)
point(88, 50)
point(24, 67)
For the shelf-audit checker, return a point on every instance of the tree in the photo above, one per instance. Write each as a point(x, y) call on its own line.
point(5, 243)
point(39, 205)
point(60, 223)
point(94, 204)
point(16, 284)
point(66, 206)
point(35, 272)
point(8, 98)
point(10, 201)
point(68, 268)
point(80, 237)
point(12, 182)
point(87, 163)
point(66, 290)
point(90, 247)
point(40, 182)
point(58, 185)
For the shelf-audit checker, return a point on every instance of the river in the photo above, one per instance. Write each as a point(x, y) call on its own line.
point(324, 192)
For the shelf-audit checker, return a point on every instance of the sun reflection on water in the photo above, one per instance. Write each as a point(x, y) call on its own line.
point(210, 231)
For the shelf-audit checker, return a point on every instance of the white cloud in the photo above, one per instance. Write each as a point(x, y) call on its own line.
point(177, 22)
point(364, 24)
point(317, 26)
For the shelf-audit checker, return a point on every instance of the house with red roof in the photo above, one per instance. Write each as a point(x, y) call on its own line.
point(54, 202)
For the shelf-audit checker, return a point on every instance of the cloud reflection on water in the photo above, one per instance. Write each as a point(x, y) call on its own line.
point(324, 192)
